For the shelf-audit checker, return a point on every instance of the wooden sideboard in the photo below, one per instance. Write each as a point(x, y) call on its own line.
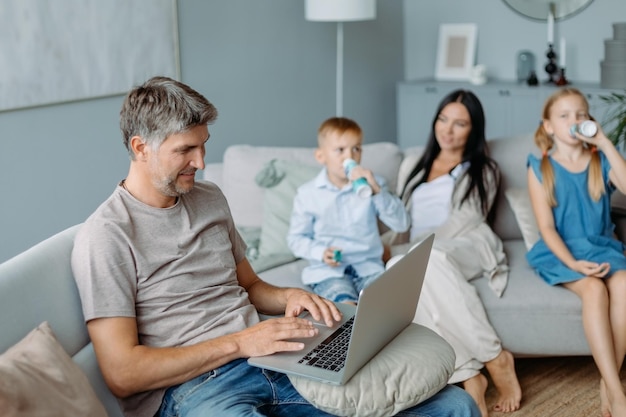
point(510, 108)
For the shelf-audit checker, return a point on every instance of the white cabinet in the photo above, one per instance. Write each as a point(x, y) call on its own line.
point(509, 111)
point(510, 108)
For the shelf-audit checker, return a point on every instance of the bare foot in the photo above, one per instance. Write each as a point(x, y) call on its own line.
point(605, 410)
point(476, 387)
point(618, 407)
point(612, 404)
point(502, 371)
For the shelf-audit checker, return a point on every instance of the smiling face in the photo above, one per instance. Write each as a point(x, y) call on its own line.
point(565, 112)
point(172, 167)
point(453, 127)
point(334, 148)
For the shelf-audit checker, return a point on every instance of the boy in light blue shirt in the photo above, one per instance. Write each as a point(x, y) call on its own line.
point(336, 229)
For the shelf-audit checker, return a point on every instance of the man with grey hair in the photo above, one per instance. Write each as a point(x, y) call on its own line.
point(170, 300)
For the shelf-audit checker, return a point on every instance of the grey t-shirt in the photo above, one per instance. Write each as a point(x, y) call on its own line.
point(173, 269)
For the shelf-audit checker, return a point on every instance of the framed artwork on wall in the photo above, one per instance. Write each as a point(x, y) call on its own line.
point(456, 51)
point(67, 50)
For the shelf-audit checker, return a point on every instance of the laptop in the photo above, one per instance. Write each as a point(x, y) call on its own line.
point(385, 308)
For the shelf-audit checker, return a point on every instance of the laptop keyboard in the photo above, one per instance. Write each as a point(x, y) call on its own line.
point(331, 353)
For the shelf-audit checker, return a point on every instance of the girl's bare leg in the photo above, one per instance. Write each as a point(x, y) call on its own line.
point(617, 316)
point(599, 332)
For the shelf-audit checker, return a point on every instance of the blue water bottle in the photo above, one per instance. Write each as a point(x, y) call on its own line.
point(360, 185)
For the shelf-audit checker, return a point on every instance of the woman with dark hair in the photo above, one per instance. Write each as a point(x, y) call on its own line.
point(451, 190)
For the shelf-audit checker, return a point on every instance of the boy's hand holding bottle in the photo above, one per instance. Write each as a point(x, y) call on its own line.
point(363, 180)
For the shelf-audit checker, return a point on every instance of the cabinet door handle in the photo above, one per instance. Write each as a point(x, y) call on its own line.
point(431, 89)
point(504, 93)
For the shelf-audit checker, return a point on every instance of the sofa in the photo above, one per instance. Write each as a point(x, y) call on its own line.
point(532, 318)
point(37, 285)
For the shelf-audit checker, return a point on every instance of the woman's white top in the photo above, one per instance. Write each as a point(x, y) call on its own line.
point(431, 201)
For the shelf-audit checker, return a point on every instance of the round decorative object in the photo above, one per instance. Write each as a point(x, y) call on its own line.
point(551, 67)
point(532, 79)
point(525, 65)
point(538, 10)
point(619, 31)
point(615, 50)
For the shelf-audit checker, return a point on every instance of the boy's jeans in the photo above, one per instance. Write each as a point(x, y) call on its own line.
point(344, 289)
point(238, 389)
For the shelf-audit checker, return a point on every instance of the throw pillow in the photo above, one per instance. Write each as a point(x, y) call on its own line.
point(38, 378)
point(252, 236)
point(281, 180)
point(520, 204)
point(410, 369)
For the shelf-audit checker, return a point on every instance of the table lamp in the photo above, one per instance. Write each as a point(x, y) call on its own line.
point(340, 11)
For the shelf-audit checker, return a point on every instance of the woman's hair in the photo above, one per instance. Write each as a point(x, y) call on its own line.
point(545, 142)
point(162, 107)
point(339, 125)
point(476, 152)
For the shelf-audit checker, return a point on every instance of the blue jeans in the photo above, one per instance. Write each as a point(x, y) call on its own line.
point(346, 288)
point(238, 389)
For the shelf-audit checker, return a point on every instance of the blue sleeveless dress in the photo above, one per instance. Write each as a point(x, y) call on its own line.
point(584, 225)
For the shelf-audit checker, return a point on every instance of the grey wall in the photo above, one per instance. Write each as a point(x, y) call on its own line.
point(57, 163)
point(502, 33)
point(269, 71)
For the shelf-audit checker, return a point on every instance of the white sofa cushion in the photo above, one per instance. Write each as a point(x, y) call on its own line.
point(519, 200)
point(243, 162)
point(510, 154)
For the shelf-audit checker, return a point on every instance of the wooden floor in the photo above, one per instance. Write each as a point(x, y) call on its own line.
point(555, 387)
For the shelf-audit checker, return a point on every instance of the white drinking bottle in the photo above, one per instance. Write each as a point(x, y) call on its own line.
point(360, 185)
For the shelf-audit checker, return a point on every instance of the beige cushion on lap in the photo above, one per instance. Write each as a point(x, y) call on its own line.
point(519, 200)
point(39, 379)
point(410, 369)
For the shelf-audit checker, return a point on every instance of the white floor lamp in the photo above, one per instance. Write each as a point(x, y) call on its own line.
point(340, 11)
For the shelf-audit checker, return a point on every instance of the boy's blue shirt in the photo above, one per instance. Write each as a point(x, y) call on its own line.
point(324, 215)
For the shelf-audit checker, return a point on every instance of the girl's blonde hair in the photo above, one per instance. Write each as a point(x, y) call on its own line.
point(545, 142)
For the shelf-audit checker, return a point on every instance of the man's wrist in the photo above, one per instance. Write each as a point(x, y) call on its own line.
point(288, 293)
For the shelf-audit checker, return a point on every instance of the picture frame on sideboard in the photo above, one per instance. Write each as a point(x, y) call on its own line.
point(456, 51)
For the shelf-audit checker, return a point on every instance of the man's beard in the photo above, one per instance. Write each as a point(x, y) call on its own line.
point(169, 187)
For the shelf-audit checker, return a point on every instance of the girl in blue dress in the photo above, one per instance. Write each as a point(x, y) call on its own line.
point(570, 189)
